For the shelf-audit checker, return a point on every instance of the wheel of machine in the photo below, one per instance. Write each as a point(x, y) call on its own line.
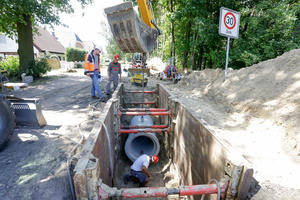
point(7, 117)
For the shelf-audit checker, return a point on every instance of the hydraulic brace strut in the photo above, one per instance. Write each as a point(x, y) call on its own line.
point(148, 192)
point(146, 92)
point(120, 131)
point(119, 113)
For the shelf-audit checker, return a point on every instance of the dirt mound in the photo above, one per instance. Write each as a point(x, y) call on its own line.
point(156, 65)
point(269, 90)
point(256, 109)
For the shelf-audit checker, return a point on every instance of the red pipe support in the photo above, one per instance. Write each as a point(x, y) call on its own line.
point(147, 92)
point(144, 113)
point(141, 126)
point(143, 109)
point(128, 131)
point(119, 113)
point(199, 189)
point(141, 102)
point(145, 192)
point(148, 192)
point(102, 194)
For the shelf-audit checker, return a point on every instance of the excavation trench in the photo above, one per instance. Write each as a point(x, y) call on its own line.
point(189, 152)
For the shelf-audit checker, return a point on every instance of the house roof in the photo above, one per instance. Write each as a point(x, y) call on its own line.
point(77, 38)
point(46, 42)
point(68, 38)
point(88, 45)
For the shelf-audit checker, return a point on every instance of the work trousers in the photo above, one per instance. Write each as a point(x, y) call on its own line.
point(95, 84)
point(113, 78)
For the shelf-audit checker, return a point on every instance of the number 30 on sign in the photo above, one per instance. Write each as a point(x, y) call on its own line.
point(229, 23)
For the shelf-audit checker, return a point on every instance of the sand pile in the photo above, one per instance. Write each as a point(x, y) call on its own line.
point(257, 110)
point(156, 65)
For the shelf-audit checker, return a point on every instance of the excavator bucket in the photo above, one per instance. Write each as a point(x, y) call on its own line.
point(28, 111)
point(130, 32)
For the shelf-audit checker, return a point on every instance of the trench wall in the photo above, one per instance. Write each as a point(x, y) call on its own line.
point(94, 158)
point(196, 151)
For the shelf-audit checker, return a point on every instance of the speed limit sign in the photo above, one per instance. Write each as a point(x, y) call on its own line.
point(229, 23)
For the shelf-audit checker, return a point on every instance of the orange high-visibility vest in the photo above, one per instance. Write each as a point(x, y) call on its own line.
point(89, 64)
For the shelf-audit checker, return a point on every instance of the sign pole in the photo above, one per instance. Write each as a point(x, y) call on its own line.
point(227, 56)
point(229, 27)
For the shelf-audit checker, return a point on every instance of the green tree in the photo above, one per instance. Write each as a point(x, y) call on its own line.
point(19, 16)
point(267, 29)
point(75, 54)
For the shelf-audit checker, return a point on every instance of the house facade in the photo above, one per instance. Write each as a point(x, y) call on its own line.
point(44, 44)
point(47, 45)
point(9, 47)
point(68, 39)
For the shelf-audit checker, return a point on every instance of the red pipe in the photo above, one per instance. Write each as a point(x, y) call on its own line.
point(143, 109)
point(199, 189)
point(140, 102)
point(148, 92)
point(141, 126)
point(144, 113)
point(128, 131)
point(145, 192)
point(148, 192)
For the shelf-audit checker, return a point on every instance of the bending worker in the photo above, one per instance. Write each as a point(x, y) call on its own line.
point(114, 68)
point(92, 69)
point(141, 164)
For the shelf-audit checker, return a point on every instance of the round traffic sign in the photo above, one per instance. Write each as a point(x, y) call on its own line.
point(229, 20)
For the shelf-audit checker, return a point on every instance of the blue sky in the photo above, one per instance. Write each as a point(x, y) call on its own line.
point(87, 26)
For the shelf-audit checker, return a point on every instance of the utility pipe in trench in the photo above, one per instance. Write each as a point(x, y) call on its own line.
point(141, 142)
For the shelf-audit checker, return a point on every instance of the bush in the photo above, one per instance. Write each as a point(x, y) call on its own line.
point(12, 65)
point(38, 68)
point(75, 54)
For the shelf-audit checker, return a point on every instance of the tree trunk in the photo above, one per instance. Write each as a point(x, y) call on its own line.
point(193, 51)
point(162, 55)
point(199, 64)
point(204, 63)
point(25, 42)
point(173, 38)
point(185, 53)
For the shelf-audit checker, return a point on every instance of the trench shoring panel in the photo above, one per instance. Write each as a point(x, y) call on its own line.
point(199, 155)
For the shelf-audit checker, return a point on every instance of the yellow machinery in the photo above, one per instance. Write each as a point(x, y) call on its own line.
point(138, 64)
point(137, 78)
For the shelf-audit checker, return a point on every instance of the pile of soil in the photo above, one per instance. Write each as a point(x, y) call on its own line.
point(256, 110)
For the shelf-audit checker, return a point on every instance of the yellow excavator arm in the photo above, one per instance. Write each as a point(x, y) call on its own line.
point(130, 32)
point(145, 7)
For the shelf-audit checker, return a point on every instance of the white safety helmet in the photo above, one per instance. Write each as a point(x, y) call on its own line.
point(98, 47)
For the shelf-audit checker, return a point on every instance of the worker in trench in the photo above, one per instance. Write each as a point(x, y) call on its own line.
point(113, 70)
point(141, 165)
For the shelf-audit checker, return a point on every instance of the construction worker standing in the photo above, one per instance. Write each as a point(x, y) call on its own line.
point(114, 68)
point(141, 164)
point(92, 69)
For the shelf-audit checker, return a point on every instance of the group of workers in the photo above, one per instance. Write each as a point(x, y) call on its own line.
point(92, 69)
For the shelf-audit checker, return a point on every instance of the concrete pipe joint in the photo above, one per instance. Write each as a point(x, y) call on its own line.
point(146, 142)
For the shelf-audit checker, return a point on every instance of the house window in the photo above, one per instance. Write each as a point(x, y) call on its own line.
point(3, 39)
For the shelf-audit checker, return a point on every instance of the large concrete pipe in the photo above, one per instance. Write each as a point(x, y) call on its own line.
point(146, 142)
